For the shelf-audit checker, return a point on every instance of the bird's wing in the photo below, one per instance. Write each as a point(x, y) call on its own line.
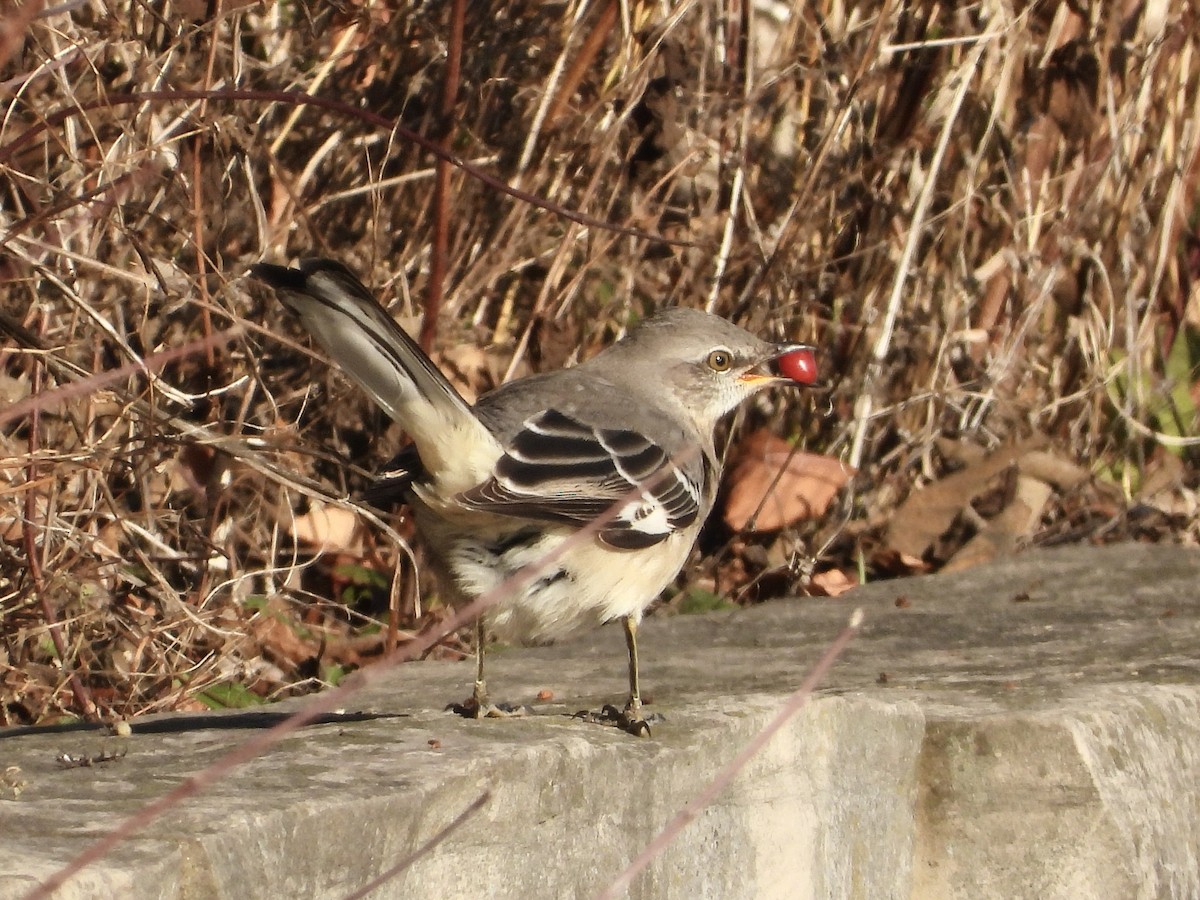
point(558, 469)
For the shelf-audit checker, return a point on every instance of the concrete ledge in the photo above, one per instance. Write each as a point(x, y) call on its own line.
point(1027, 729)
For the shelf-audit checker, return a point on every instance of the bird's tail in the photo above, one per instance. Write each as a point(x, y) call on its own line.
point(367, 344)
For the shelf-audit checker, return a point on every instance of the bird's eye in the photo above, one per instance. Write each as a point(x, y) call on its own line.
point(720, 360)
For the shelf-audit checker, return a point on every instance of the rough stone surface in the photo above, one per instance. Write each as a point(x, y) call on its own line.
point(1025, 729)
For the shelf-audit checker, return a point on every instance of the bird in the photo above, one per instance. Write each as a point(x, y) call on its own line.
point(627, 436)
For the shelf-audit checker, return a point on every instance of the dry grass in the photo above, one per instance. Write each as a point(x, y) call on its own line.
point(984, 216)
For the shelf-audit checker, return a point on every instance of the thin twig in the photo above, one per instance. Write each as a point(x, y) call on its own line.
point(32, 558)
point(40, 400)
point(299, 98)
point(201, 281)
point(866, 399)
point(441, 183)
point(745, 60)
point(792, 223)
point(605, 20)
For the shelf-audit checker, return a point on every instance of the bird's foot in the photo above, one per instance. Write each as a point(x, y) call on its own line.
point(474, 708)
point(631, 720)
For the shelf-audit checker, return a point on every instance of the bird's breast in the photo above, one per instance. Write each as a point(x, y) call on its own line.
point(549, 583)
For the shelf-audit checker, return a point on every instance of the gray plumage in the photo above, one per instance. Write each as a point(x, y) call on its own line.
point(506, 481)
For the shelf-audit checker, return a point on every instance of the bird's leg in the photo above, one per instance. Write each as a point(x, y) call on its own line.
point(632, 719)
point(478, 706)
point(479, 695)
point(633, 709)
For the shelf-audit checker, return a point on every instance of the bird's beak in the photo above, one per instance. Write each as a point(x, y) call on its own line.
point(789, 364)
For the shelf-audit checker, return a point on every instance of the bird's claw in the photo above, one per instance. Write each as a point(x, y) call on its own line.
point(630, 720)
point(473, 709)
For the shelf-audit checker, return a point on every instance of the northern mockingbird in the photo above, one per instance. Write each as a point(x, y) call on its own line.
point(496, 486)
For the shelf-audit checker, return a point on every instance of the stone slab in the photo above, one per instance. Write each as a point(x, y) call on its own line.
point(1025, 729)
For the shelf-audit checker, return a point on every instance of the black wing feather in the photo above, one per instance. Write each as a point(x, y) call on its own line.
point(557, 469)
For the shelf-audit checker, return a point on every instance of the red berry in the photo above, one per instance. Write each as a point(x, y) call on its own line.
point(799, 365)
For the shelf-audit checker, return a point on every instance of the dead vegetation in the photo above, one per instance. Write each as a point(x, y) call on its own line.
point(984, 216)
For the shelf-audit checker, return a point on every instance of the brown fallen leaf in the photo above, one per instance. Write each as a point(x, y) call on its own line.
point(327, 527)
point(1051, 468)
point(473, 370)
point(273, 631)
point(929, 511)
point(885, 559)
point(1164, 475)
point(959, 452)
point(833, 583)
point(1002, 533)
point(772, 485)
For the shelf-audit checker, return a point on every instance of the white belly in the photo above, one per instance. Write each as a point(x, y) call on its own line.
point(585, 586)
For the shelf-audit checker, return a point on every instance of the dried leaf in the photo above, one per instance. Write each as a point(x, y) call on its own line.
point(327, 527)
point(833, 583)
point(1069, 90)
point(12, 389)
point(193, 469)
point(274, 631)
point(773, 485)
point(473, 370)
point(1164, 476)
point(928, 512)
point(1052, 469)
point(1002, 533)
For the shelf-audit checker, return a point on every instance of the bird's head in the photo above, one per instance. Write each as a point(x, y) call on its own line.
point(706, 364)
